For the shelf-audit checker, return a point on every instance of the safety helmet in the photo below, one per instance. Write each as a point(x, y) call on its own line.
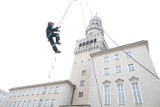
point(50, 23)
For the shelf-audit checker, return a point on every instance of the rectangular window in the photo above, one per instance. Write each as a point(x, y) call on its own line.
point(106, 59)
point(116, 57)
point(121, 94)
point(106, 71)
point(131, 67)
point(46, 103)
point(136, 93)
point(83, 73)
point(52, 103)
point(56, 90)
point(80, 94)
point(107, 99)
point(118, 69)
point(128, 54)
point(82, 83)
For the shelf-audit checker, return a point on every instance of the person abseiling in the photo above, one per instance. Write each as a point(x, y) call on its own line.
point(53, 32)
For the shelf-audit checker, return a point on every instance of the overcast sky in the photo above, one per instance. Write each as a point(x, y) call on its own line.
point(26, 56)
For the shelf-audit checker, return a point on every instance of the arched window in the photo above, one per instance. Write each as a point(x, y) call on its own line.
point(87, 42)
point(80, 44)
point(83, 43)
point(91, 41)
point(95, 40)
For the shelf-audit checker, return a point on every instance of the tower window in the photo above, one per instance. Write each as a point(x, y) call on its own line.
point(83, 43)
point(87, 42)
point(82, 83)
point(83, 73)
point(128, 54)
point(80, 94)
point(91, 41)
point(80, 44)
point(95, 40)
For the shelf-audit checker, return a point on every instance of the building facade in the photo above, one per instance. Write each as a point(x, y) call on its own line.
point(51, 94)
point(102, 77)
point(113, 76)
point(2, 96)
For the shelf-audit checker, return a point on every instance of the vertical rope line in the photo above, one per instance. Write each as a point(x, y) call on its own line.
point(83, 15)
point(96, 79)
point(89, 8)
point(62, 19)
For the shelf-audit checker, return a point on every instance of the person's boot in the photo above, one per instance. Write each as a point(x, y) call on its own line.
point(58, 43)
point(55, 49)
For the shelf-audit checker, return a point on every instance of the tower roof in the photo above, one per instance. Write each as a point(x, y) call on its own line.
point(94, 23)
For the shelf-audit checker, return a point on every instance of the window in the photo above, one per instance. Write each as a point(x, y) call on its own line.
point(116, 57)
point(23, 93)
point(56, 90)
point(107, 95)
point(95, 40)
point(118, 69)
point(46, 102)
point(136, 93)
point(131, 67)
point(51, 90)
point(82, 83)
point(106, 59)
point(39, 91)
point(121, 94)
point(91, 41)
point(35, 103)
point(80, 44)
point(106, 71)
point(30, 104)
point(87, 42)
point(52, 103)
point(128, 54)
point(83, 73)
point(33, 91)
point(80, 94)
point(27, 93)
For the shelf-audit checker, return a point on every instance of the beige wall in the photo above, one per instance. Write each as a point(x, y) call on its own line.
point(62, 96)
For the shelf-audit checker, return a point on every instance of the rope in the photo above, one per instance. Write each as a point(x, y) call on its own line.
point(89, 8)
point(83, 15)
point(96, 80)
point(131, 57)
point(62, 19)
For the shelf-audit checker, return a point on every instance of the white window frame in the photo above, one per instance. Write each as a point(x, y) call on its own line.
point(82, 83)
point(116, 57)
point(118, 69)
point(106, 71)
point(108, 94)
point(131, 67)
point(106, 59)
point(121, 94)
point(52, 103)
point(128, 54)
point(139, 97)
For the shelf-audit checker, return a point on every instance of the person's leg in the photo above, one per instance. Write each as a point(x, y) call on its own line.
point(57, 38)
point(55, 49)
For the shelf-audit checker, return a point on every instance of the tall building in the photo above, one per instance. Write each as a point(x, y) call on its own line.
point(100, 77)
point(111, 76)
point(2, 96)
